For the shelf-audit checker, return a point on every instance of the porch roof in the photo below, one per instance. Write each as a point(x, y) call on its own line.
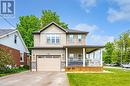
point(89, 48)
point(35, 48)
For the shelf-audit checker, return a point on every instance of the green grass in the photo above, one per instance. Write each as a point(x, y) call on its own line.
point(119, 77)
point(3, 75)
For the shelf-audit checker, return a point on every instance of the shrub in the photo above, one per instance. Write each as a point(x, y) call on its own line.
point(5, 59)
point(12, 70)
point(26, 67)
point(7, 70)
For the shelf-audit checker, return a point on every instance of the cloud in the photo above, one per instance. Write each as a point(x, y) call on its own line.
point(86, 27)
point(101, 39)
point(122, 13)
point(92, 37)
point(88, 4)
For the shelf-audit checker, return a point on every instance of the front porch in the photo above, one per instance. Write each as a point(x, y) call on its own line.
point(83, 58)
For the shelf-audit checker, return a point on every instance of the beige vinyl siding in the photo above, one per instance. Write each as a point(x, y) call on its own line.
point(83, 40)
point(60, 52)
point(36, 40)
point(41, 39)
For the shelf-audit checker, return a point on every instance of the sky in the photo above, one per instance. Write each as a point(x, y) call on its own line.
point(105, 20)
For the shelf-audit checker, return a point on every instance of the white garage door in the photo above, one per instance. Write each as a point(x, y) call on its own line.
point(48, 63)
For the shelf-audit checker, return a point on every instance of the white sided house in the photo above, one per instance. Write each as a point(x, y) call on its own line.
point(11, 41)
point(59, 49)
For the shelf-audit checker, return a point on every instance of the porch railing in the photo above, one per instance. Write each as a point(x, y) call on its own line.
point(88, 62)
point(92, 62)
point(75, 62)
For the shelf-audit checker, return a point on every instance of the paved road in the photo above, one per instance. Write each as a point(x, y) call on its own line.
point(35, 79)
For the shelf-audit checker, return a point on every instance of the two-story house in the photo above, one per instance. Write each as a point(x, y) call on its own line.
point(58, 49)
point(12, 42)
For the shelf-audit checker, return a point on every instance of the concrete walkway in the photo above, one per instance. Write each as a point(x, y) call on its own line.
point(35, 79)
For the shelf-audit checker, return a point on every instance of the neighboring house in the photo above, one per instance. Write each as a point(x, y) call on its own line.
point(12, 42)
point(56, 49)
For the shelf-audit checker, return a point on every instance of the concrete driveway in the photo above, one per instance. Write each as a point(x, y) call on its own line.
point(35, 79)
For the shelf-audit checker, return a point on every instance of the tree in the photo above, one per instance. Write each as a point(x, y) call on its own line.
point(29, 24)
point(5, 59)
point(48, 16)
point(108, 53)
point(118, 51)
point(115, 56)
point(123, 44)
point(26, 26)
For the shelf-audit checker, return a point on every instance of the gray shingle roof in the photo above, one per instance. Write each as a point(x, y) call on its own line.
point(69, 31)
point(75, 31)
point(6, 31)
point(66, 30)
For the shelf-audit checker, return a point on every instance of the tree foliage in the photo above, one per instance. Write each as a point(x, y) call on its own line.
point(5, 59)
point(109, 49)
point(29, 24)
point(120, 50)
point(49, 16)
point(26, 26)
point(123, 47)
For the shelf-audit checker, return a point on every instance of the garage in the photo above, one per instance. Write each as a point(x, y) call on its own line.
point(48, 63)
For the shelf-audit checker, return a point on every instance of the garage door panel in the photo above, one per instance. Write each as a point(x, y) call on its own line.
point(48, 64)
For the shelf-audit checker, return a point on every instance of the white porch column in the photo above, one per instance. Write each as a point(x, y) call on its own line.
point(84, 57)
point(66, 55)
point(101, 57)
point(93, 55)
point(88, 59)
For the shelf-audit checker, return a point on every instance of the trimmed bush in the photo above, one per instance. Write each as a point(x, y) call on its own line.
point(5, 59)
point(26, 67)
point(12, 70)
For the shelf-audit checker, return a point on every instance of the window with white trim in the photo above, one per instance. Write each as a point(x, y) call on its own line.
point(21, 57)
point(53, 39)
point(79, 38)
point(71, 38)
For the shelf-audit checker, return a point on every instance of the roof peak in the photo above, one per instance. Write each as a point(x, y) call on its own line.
point(54, 24)
point(6, 31)
point(71, 31)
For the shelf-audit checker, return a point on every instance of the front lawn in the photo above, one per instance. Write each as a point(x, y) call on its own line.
point(119, 77)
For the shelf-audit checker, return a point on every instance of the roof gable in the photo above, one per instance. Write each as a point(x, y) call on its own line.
point(6, 32)
point(53, 29)
point(52, 23)
point(69, 31)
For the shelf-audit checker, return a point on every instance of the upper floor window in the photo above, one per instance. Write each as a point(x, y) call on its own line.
point(79, 38)
point(15, 39)
point(71, 38)
point(53, 39)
